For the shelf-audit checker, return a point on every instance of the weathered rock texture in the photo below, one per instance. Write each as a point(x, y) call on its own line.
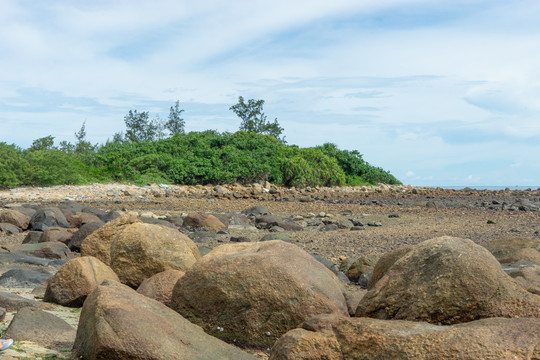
point(118, 323)
point(76, 279)
point(255, 292)
point(447, 280)
point(141, 250)
point(335, 338)
point(160, 286)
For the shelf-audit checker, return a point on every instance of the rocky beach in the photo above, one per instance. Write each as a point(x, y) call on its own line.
point(346, 229)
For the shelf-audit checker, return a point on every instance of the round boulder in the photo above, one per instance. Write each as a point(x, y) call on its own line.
point(447, 280)
point(76, 279)
point(141, 250)
point(252, 293)
point(160, 286)
point(15, 218)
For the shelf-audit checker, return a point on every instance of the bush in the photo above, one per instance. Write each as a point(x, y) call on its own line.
point(51, 167)
point(14, 168)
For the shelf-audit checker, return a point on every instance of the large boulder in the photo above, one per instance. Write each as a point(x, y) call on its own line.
point(118, 323)
point(83, 232)
point(76, 279)
point(529, 278)
point(15, 218)
point(48, 217)
point(160, 286)
point(13, 302)
point(64, 235)
point(447, 280)
point(79, 219)
point(385, 262)
point(30, 324)
point(196, 221)
point(98, 243)
point(335, 338)
point(252, 293)
point(506, 247)
point(22, 278)
point(526, 254)
point(141, 250)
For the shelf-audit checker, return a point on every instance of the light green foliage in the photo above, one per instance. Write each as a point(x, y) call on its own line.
point(175, 124)
point(254, 119)
point(13, 166)
point(139, 127)
point(44, 143)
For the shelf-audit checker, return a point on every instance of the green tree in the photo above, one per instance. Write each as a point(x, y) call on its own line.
point(83, 146)
point(175, 123)
point(139, 127)
point(44, 143)
point(254, 119)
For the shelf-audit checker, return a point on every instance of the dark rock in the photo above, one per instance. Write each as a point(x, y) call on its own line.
point(20, 278)
point(85, 230)
point(46, 329)
point(151, 220)
point(32, 237)
point(357, 228)
point(239, 239)
point(393, 216)
point(62, 235)
point(9, 229)
point(48, 217)
point(15, 258)
point(374, 223)
point(12, 302)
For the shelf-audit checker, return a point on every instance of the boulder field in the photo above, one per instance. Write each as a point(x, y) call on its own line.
point(147, 288)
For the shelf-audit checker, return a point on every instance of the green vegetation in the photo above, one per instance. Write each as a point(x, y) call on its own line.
point(144, 155)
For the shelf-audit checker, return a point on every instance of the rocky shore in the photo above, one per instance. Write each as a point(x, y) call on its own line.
point(347, 230)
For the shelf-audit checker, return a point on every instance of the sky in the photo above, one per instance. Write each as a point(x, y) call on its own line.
point(440, 93)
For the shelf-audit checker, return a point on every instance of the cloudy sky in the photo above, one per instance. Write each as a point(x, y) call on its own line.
point(440, 92)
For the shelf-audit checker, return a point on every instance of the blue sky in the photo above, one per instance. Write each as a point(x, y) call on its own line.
point(438, 92)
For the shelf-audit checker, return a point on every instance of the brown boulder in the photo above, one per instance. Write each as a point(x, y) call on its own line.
point(360, 266)
point(501, 248)
point(200, 220)
point(15, 218)
point(529, 278)
point(252, 293)
point(160, 286)
point(98, 243)
point(447, 280)
point(141, 250)
point(60, 234)
point(77, 220)
point(385, 262)
point(332, 337)
point(118, 323)
point(527, 254)
point(76, 279)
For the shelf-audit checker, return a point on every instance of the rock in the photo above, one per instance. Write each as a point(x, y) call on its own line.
point(48, 217)
point(251, 289)
point(256, 211)
point(2, 314)
point(142, 250)
point(10, 258)
point(12, 302)
point(160, 286)
point(385, 262)
point(374, 224)
point(150, 220)
point(20, 278)
point(14, 217)
point(46, 329)
point(329, 227)
point(101, 214)
point(202, 236)
point(332, 337)
point(393, 216)
point(9, 229)
point(98, 243)
point(74, 281)
point(361, 265)
point(62, 235)
point(32, 237)
point(47, 250)
point(501, 248)
point(447, 280)
point(82, 218)
point(353, 296)
point(276, 236)
point(149, 330)
point(239, 239)
point(527, 254)
point(83, 232)
point(199, 220)
point(529, 278)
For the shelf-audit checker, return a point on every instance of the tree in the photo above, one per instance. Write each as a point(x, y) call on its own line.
point(254, 119)
point(44, 143)
point(175, 124)
point(139, 127)
point(83, 146)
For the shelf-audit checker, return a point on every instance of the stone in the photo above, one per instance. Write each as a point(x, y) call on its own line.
point(256, 211)
point(46, 329)
point(9, 229)
point(239, 239)
point(447, 280)
point(142, 250)
point(48, 217)
point(32, 237)
point(502, 248)
point(76, 279)
point(199, 220)
point(529, 278)
point(277, 236)
point(63, 235)
point(12, 258)
point(83, 232)
point(160, 286)
point(255, 292)
point(148, 329)
point(21, 278)
point(332, 337)
point(2, 314)
point(82, 218)
point(98, 243)
point(13, 302)
point(527, 254)
point(361, 265)
point(14, 217)
point(47, 250)
point(385, 262)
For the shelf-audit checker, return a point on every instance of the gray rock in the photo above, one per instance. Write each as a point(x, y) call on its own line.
point(20, 278)
point(14, 258)
point(12, 302)
point(150, 220)
point(32, 237)
point(276, 236)
point(329, 227)
point(47, 250)
point(239, 239)
point(374, 223)
point(202, 236)
point(9, 229)
point(79, 236)
point(48, 217)
point(256, 211)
